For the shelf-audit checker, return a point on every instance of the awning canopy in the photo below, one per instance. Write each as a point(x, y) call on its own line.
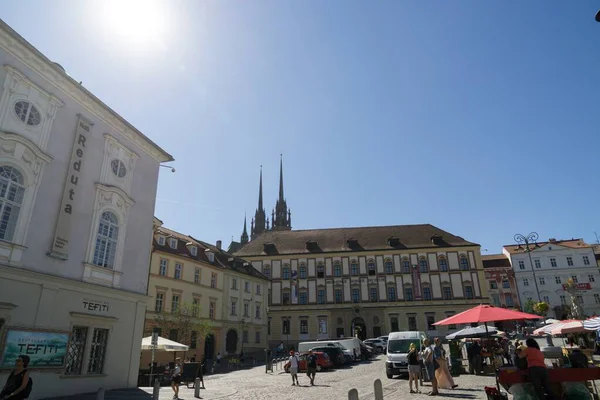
point(163, 344)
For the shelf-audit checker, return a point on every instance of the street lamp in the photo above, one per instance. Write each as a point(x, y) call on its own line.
point(530, 242)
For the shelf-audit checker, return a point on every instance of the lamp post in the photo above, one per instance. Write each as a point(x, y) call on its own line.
point(530, 242)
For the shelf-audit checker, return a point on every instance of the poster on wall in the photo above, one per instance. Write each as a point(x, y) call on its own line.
point(45, 349)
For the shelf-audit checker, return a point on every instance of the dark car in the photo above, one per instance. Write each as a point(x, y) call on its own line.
point(367, 352)
point(336, 355)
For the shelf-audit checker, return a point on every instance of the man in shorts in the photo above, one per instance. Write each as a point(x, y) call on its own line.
point(311, 367)
point(294, 364)
point(176, 378)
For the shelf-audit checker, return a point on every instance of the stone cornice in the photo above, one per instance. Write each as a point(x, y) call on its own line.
point(14, 44)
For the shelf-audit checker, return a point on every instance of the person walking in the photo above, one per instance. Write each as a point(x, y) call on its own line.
point(176, 378)
point(430, 362)
point(414, 368)
point(442, 374)
point(311, 367)
point(17, 385)
point(538, 373)
point(294, 364)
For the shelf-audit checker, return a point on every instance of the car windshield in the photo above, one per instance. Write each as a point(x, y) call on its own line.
point(401, 345)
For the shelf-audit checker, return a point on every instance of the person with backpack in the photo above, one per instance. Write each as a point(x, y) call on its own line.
point(18, 385)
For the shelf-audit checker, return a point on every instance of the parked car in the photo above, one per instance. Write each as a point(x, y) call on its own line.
point(377, 344)
point(366, 351)
point(323, 362)
point(336, 355)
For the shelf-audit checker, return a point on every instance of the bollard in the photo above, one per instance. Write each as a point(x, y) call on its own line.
point(378, 389)
point(197, 388)
point(353, 394)
point(156, 390)
point(100, 394)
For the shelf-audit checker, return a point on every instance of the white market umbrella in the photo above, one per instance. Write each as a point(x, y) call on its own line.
point(551, 321)
point(592, 324)
point(473, 332)
point(163, 344)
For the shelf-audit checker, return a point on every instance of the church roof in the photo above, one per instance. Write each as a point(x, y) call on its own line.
point(336, 240)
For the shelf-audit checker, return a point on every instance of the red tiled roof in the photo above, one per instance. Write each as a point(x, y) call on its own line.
point(572, 243)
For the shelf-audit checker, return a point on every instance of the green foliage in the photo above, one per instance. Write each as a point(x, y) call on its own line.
point(183, 321)
point(541, 308)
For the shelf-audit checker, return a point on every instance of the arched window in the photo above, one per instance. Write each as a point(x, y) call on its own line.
point(320, 271)
point(286, 272)
point(427, 293)
point(423, 265)
point(464, 262)
point(301, 271)
point(446, 292)
point(389, 266)
point(353, 267)
point(337, 269)
point(443, 264)
point(405, 266)
point(267, 271)
point(106, 240)
point(12, 190)
point(371, 267)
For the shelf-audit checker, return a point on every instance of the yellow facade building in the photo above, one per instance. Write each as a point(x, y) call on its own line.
point(368, 281)
point(193, 284)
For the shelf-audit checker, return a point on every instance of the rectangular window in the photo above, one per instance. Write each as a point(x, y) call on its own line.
point(574, 277)
point(412, 323)
point(285, 298)
point(285, 327)
point(408, 294)
point(525, 282)
point(193, 339)
point(321, 296)
point(303, 326)
point(337, 269)
point(354, 268)
point(591, 278)
point(175, 303)
point(557, 280)
point(257, 311)
point(320, 271)
point(570, 261)
point(162, 271)
point(373, 294)
point(546, 300)
point(495, 300)
point(173, 243)
point(537, 263)
point(447, 293)
point(391, 292)
point(597, 298)
point(233, 307)
point(430, 323)
point(245, 336)
point(493, 285)
point(579, 299)
point(234, 283)
point(586, 260)
point(97, 351)
point(174, 334)
point(75, 350)
point(195, 307)
point(426, 293)
point(178, 268)
point(158, 303)
point(339, 295)
point(194, 251)
point(197, 276)
point(211, 310)
point(302, 298)
point(355, 295)
point(469, 292)
point(246, 310)
point(553, 261)
point(521, 264)
point(247, 287)
point(257, 337)
point(161, 240)
point(542, 280)
point(257, 289)
point(506, 284)
point(213, 280)
point(563, 300)
point(509, 301)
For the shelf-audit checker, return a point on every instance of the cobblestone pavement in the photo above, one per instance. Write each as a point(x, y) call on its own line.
point(255, 384)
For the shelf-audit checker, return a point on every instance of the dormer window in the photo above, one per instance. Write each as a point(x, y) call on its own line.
point(311, 245)
point(393, 241)
point(193, 251)
point(210, 255)
point(352, 243)
point(161, 240)
point(173, 243)
point(269, 248)
point(437, 240)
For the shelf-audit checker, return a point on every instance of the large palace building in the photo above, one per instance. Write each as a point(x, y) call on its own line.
point(367, 281)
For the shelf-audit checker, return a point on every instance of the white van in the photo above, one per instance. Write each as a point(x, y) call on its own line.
point(353, 347)
point(398, 344)
point(304, 347)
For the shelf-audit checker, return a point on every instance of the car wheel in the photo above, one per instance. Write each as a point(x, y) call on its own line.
point(319, 368)
point(389, 374)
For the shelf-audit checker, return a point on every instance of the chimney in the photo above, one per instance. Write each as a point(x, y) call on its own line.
point(219, 243)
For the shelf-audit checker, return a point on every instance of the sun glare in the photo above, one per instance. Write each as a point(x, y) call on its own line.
point(138, 22)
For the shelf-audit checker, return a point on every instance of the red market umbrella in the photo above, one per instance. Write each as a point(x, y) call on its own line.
point(485, 313)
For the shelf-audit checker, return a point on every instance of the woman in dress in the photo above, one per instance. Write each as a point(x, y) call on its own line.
point(442, 374)
point(16, 384)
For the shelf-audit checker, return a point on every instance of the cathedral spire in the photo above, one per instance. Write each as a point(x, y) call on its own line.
point(282, 220)
point(281, 177)
point(244, 238)
point(260, 197)
point(259, 217)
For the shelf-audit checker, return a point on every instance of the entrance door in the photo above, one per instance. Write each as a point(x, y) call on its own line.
point(231, 340)
point(339, 332)
point(360, 329)
point(376, 331)
point(209, 347)
point(394, 323)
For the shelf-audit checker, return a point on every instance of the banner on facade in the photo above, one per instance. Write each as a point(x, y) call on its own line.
point(45, 349)
point(416, 279)
point(580, 286)
point(294, 287)
point(62, 234)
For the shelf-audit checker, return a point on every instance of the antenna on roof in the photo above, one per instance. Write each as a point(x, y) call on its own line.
point(597, 240)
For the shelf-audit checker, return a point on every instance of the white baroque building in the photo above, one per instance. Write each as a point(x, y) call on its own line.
point(77, 196)
point(551, 264)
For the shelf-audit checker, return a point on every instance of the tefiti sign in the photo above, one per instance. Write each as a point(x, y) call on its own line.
point(62, 234)
point(95, 305)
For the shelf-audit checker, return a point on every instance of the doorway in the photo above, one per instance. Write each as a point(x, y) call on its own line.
point(209, 347)
point(376, 331)
point(359, 327)
point(231, 340)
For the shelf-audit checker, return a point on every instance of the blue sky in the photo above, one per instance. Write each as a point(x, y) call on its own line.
point(478, 117)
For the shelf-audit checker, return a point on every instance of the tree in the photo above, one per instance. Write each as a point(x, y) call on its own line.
point(179, 324)
point(541, 308)
point(528, 307)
